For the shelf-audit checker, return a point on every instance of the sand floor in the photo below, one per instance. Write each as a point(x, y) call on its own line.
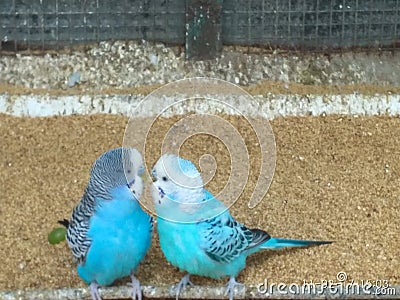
point(337, 178)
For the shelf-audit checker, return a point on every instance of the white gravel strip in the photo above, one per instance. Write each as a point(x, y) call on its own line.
point(271, 106)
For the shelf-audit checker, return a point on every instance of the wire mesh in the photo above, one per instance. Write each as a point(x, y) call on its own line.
point(312, 24)
point(299, 24)
point(58, 23)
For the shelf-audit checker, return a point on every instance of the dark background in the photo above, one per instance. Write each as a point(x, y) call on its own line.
point(302, 24)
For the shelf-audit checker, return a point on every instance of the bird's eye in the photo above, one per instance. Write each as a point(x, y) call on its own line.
point(164, 178)
point(128, 171)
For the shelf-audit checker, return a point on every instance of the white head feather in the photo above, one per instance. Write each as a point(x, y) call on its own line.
point(178, 191)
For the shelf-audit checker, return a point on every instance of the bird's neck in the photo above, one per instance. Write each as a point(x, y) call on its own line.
point(122, 202)
point(191, 196)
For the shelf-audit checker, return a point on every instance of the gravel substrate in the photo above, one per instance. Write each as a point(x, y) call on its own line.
point(336, 178)
point(126, 64)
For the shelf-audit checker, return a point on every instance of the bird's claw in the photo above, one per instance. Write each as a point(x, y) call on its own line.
point(230, 287)
point(137, 291)
point(185, 281)
point(94, 291)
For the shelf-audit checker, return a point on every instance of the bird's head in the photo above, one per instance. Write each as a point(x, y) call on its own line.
point(178, 191)
point(119, 168)
point(176, 179)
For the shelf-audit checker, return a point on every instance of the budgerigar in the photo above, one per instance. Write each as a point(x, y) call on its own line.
point(109, 233)
point(197, 233)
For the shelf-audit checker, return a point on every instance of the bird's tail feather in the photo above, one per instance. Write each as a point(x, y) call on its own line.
point(64, 222)
point(277, 243)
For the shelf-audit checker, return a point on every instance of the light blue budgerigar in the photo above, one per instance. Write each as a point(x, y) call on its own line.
point(197, 233)
point(109, 233)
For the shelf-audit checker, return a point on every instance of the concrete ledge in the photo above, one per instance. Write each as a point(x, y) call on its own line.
point(204, 292)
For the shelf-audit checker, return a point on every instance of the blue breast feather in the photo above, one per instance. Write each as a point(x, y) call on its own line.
point(190, 248)
point(120, 232)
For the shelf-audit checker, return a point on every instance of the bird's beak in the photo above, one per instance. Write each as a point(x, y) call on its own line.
point(153, 178)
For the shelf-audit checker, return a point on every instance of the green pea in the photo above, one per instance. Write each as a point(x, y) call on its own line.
point(57, 235)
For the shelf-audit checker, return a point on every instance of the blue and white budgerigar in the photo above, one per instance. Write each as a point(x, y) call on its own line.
point(109, 233)
point(197, 233)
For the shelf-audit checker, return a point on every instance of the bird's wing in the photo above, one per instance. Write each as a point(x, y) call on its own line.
point(77, 233)
point(224, 239)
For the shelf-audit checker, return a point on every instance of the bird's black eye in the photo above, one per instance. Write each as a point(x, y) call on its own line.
point(128, 171)
point(164, 178)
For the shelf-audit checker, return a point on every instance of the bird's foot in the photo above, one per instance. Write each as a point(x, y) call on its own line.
point(94, 291)
point(230, 287)
point(137, 291)
point(185, 281)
